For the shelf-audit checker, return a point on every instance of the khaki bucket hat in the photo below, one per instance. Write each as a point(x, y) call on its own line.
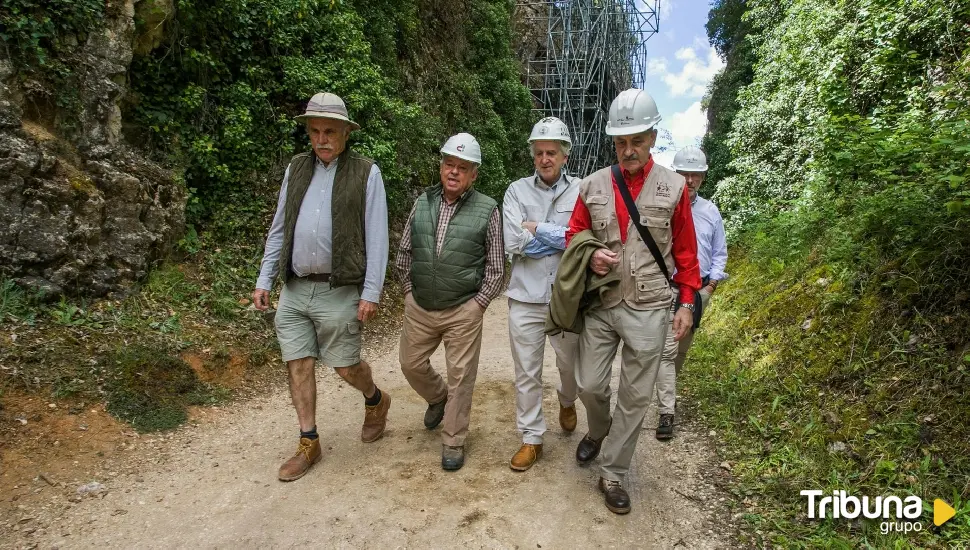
point(327, 105)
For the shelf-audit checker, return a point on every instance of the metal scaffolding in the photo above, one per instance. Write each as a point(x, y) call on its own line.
point(578, 55)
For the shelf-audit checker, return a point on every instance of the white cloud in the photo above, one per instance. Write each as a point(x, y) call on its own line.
point(698, 65)
point(684, 128)
point(666, 7)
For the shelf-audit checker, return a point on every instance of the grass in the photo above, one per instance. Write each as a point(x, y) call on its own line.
point(128, 351)
point(816, 386)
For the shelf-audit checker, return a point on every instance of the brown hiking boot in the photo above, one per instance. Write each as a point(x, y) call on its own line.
point(307, 455)
point(375, 419)
point(526, 457)
point(567, 418)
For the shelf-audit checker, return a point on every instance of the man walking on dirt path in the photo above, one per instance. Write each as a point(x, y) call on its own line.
point(332, 200)
point(536, 213)
point(645, 243)
point(452, 265)
point(712, 256)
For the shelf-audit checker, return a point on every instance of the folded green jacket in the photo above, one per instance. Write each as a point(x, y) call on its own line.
point(577, 288)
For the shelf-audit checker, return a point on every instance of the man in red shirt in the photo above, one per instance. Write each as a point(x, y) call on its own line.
point(637, 310)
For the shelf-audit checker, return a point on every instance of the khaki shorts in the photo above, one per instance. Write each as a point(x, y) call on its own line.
point(314, 320)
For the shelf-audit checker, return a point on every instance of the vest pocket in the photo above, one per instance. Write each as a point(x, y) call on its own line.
point(659, 228)
point(652, 289)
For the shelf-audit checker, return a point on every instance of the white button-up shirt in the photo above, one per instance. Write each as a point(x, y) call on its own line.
point(535, 258)
point(712, 252)
point(313, 237)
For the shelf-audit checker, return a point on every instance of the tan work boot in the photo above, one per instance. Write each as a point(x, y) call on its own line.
point(567, 418)
point(526, 457)
point(307, 455)
point(375, 419)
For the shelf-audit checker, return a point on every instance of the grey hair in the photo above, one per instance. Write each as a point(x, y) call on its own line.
point(563, 146)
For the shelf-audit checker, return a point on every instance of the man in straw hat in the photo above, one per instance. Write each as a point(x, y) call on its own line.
point(328, 242)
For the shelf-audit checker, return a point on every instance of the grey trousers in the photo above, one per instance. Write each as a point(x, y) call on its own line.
point(675, 353)
point(643, 334)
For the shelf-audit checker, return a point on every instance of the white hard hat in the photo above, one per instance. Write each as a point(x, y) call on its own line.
point(632, 112)
point(690, 159)
point(463, 146)
point(550, 128)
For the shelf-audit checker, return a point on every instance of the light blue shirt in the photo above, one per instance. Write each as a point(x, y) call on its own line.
point(712, 251)
point(313, 236)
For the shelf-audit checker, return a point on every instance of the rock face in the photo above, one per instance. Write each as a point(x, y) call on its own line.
point(83, 214)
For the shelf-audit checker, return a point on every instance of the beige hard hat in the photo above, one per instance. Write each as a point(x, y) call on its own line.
point(327, 105)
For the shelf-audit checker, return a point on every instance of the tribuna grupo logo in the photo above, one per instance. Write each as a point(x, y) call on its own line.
point(898, 514)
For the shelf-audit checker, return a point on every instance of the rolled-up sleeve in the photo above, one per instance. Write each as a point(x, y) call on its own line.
point(552, 235)
point(516, 237)
point(375, 236)
point(269, 267)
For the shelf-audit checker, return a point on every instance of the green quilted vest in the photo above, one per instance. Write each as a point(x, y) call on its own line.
point(347, 203)
point(453, 277)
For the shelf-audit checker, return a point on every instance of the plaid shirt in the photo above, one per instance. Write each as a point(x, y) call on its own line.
point(494, 251)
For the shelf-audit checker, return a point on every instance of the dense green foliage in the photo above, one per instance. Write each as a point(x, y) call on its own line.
point(845, 126)
point(220, 95)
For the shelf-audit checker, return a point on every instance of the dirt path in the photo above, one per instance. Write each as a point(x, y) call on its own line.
point(214, 484)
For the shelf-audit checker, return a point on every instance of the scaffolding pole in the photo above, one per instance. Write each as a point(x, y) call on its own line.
point(592, 50)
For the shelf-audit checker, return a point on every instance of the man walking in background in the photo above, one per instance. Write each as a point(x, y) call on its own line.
point(712, 256)
point(536, 213)
point(332, 200)
point(452, 265)
point(645, 243)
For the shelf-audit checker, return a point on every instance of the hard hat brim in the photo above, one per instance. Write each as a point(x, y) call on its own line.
point(630, 130)
point(689, 169)
point(308, 115)
point(476, 162)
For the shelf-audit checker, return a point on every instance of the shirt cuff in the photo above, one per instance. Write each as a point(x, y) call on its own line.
point(370, 296)
point(686, 295)
point(264, 283)
point(482, 301)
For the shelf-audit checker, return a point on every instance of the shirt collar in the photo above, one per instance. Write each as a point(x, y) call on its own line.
point(642, 176)
point(333, 165)
point(537, 181)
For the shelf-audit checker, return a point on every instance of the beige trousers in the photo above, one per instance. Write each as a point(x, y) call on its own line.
point(644, 334)
point(675, 353)
point(527, 336)
point(460, 328)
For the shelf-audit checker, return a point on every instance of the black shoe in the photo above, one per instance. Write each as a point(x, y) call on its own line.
point(617, 500)
point(452, 458)
point(588, 449)
point(434, 414)
point(665, 429)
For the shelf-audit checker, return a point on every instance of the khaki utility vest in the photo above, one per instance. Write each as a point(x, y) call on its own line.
point(642, 284)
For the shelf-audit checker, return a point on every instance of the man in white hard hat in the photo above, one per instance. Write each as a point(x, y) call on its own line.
point(712, 256)
point(636, 311)
point(536, 213)
point(452, 265)
point(329, 243)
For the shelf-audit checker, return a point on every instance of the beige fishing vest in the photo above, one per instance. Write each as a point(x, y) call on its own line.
point(642, 284)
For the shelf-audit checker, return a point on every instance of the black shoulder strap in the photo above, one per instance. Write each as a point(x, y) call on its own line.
point(631, 208)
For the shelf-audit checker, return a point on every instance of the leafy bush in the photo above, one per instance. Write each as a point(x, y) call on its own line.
point(219, 97)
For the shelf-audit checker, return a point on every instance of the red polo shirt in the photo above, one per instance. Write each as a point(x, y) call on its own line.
point(688, 274)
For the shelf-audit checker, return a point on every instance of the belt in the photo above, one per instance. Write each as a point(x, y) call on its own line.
point(318, 277)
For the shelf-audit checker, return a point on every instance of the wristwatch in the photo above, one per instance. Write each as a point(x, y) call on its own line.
point(685, 305)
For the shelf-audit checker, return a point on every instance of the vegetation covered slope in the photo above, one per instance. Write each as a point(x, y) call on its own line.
point(838, 355)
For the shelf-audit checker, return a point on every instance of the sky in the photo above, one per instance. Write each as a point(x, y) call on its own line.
point(680, 64)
